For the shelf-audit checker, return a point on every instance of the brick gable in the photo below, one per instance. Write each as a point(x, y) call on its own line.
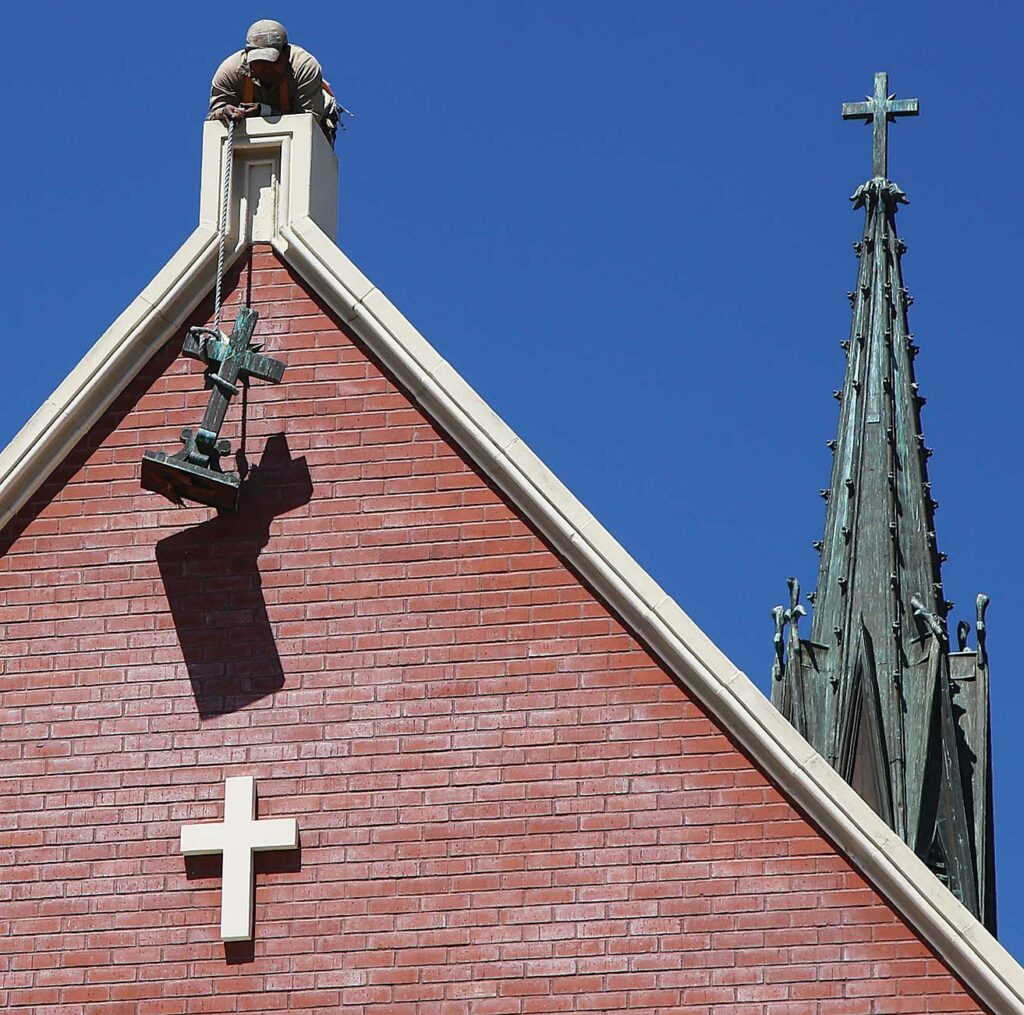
point(506, 805)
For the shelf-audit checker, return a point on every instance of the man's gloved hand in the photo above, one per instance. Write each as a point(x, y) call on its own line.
point(237, 113)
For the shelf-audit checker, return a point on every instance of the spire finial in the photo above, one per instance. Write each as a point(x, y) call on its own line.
point(882, 109)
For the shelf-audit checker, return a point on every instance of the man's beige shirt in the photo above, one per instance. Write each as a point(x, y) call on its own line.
point(305, 84)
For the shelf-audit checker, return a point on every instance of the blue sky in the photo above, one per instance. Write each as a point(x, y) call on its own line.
point(627, 226)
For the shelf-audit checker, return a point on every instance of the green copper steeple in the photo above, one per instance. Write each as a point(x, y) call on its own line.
point(876, 688)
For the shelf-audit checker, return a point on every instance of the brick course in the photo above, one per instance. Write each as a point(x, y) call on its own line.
point(506, 805)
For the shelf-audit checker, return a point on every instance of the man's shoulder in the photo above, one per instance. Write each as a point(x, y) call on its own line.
point(302, 59)
point(231, 67)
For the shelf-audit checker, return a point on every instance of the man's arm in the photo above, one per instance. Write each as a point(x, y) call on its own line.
point(309, 85)
point(226, 89)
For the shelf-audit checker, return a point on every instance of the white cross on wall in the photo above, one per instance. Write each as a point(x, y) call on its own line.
point(238, 836)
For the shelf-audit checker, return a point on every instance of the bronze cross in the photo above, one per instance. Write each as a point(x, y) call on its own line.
point(881, 108)
point(195, 471)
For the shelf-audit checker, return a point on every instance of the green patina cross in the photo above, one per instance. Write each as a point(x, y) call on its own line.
point(195, 472)
point(882, 109)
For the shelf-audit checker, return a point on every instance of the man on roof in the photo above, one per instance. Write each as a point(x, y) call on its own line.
point(272, 76)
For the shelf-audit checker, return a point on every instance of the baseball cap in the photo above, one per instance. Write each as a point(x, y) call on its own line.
point(265, 40)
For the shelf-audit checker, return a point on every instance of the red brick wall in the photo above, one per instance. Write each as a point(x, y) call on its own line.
point(506, 806)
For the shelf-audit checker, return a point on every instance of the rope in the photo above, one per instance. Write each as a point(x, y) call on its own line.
point(223, 225)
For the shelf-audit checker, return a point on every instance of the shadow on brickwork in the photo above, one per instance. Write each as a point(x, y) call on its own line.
point(213, 584)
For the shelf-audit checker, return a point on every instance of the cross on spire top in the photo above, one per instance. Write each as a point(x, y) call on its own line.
point(881, 109)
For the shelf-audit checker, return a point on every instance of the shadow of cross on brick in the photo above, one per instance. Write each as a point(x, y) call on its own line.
point(213, 585)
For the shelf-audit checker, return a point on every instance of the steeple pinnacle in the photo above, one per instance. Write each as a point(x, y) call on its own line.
point(881, 109)
point(876, 688)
